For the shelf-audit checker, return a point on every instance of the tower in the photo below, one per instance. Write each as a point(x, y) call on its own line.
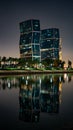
point(50, 43)
point(30, 39)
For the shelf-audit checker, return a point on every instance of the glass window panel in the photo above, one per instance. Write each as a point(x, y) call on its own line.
point(36, 25)
point(36, 50)
point(25, 38)
point(25, 26)
point(36, 37)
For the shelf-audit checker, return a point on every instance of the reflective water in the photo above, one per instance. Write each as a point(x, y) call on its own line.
point(36, 102)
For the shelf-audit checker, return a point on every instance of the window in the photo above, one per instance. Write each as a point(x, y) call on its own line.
point(36, 50)
point(36, 37)
point(36, 25)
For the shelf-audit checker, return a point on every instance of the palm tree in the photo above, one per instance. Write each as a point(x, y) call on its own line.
point(15, 62)
point(21, 62)
point(10, 60)
point(4, 62)
point(62, 64)
point(69, 64)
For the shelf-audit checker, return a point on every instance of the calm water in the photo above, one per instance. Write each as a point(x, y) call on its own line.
point(36, 102)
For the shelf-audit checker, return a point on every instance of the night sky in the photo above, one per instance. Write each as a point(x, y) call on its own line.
point(51, 13)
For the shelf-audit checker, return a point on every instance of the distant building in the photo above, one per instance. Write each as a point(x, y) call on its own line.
point(39, 44)
point(60, 49)
point(30, 39)
point(50, 40)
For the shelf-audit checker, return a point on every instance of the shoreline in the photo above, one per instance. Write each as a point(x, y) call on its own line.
point(22, 72)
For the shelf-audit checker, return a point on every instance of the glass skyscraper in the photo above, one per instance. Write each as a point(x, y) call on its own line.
point(30, 39)
point(39, 44)
point(50, 43)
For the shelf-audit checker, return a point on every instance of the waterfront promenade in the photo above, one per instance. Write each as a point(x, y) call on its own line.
point(21, 72)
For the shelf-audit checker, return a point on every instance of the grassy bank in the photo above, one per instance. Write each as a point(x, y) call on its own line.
point(20, 72)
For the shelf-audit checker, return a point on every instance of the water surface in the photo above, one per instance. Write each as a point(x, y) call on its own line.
point(36, 102)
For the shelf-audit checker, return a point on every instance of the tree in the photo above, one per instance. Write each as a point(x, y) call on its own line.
point(47, 62)
point(21, 62)
point(4, 62)
point(56, 63)
point(35, 63)
point(62, 64)
point(10, 59)
point(69, 64)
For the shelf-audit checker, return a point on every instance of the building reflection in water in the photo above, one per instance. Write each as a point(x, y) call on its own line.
point(9, 82)
point(50, 95)
point(39, 94)
point(29, 99)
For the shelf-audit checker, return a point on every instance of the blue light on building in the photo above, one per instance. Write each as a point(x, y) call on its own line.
point(30, 39)
point(50, 43)
point(38, 44)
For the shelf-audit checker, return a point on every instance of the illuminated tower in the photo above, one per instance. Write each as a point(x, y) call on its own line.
point(50, 40)
point(36, 44)
point(30, 39)
point(60, 49)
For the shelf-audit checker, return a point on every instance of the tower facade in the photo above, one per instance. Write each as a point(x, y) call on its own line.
point(50, 43)
point(37, 44)
point(30, 39)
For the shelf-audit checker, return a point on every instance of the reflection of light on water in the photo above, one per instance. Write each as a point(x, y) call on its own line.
point(23, 77)
point(14, 80)
point(26, 82)
point(27, 77)
point(60, 91)
point(66, 77)
point(60, 87)
point(51, 80)
point(60, 78)
point(8, 84)
point(40, 80)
